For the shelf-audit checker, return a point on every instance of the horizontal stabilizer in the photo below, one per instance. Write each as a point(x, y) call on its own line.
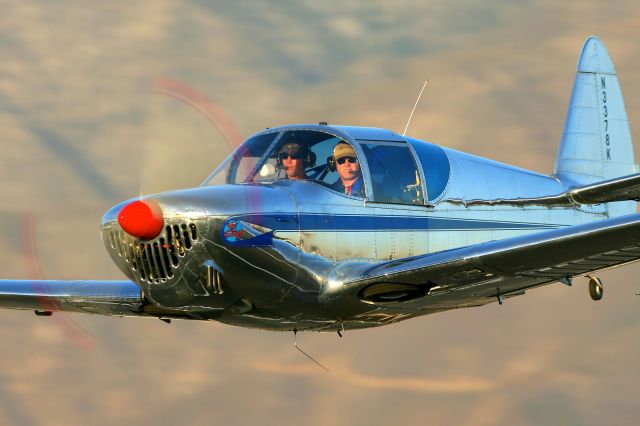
point(625, 188)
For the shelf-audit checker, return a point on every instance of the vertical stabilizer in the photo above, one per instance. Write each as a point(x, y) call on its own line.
point(596, 142)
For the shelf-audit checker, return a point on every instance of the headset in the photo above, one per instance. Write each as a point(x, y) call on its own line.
point(308, 156)
point(331, 163)
point(331, 160)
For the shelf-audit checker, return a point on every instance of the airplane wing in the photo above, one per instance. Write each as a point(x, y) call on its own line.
point(467, 276)
point(122, 298)
point(624, 188)
point(486, 272)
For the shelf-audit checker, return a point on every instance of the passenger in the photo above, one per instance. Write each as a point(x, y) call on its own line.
point(348, 168)
point(294, 158)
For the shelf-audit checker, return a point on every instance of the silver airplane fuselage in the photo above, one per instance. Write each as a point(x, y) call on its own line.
point(322, 227)
point(271, 254)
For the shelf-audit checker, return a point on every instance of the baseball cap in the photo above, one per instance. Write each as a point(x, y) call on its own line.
point(343, 149)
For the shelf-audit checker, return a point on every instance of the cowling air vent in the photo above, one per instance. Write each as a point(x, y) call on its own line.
point(392, 292)
point(155, 261)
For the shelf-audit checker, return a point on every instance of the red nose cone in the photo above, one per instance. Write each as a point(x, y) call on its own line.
point(141, 219)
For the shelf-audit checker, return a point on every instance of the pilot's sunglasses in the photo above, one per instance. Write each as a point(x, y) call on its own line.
point(292, 155)
point(352, 160)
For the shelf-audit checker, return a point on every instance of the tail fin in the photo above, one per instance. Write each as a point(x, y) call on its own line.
point(596, 142)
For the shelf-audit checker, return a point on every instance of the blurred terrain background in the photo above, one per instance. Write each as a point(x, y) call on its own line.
point(83, 126)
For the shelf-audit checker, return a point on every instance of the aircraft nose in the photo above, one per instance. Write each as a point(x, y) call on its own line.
point(141, 219)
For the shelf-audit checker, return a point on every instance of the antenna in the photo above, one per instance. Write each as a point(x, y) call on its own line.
point(295, 343)
point(414, 107)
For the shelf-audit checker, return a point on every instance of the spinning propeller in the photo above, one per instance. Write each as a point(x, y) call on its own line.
point(143, 218)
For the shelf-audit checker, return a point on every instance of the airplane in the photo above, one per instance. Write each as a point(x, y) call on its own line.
point(429, 229)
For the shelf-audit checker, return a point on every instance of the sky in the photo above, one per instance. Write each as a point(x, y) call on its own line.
point(103, 101)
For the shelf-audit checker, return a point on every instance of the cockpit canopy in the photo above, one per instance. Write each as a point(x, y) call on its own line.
point(386, 166)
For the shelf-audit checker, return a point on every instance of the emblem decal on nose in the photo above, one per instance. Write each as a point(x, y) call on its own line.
point(232, 231)
point(241, 233)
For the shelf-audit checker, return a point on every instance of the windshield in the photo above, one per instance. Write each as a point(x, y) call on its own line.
point(293, 154)
point(238, 166)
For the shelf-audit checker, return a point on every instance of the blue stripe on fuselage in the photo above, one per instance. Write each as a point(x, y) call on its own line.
point(361, 223)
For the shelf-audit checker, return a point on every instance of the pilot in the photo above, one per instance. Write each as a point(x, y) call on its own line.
point(348, 168)
point(294, 158)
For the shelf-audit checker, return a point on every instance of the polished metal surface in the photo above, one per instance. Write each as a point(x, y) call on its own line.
point(251, 247)
point(121, 298)
point(624, 188)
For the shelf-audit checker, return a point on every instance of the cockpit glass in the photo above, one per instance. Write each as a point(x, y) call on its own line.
point(281, 156)
point(293, 154)
point(394, 174)
point(219, 175)
point(240, 164)
point(313, 150)
point(435, 165)
point(248, 156)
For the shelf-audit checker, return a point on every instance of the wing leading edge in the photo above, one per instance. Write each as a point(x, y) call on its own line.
point(483, 273)
point(122, 298)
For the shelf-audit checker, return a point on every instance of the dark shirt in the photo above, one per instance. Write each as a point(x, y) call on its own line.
point(355, 190)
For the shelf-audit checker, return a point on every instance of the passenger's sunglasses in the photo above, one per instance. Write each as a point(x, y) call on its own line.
point(292, 155)
point(352, 160)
